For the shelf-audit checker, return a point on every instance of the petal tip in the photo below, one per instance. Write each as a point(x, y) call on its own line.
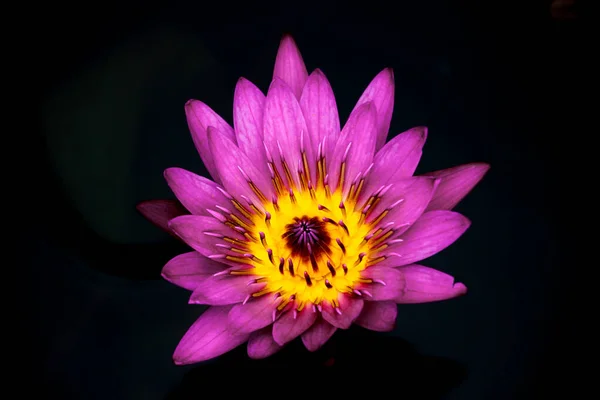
point(243, 82)
point(367, 107)
point(484, 167)
point(191, 103)
point(165, 276)
point(386, 74)
point(318, 73)
point(460, 289)
point(278, 340)
point(309, 345)
point(389, 71)
point(178, 359)
point(421, 132)
point(140, 207)
point(176, 222)
point(276, 84)
point(180, 362)
point(170, 172)
point(466, 222)
point(288, 39)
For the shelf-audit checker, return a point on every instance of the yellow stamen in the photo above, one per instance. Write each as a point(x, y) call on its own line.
point(331, 268)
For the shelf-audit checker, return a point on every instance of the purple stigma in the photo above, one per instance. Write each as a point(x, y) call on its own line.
point(307, 237)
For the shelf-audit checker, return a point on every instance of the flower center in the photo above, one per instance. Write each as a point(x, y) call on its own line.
point(307, 238)
point(307, 244)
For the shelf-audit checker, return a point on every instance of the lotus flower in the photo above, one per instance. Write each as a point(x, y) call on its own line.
point(306, 228)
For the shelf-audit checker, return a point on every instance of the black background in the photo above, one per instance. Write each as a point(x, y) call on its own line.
point(496, 83)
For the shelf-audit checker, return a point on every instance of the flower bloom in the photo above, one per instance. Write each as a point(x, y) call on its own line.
point(307, 228)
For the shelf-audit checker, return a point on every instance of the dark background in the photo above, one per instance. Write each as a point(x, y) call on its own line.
point(495, 83)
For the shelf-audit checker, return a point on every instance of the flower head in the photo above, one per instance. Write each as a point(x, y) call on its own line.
point(307, 228)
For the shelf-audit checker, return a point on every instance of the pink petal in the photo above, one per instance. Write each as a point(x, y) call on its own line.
point(261, 344)
point(195, 192)
point(207, 338)
point(159, 212)
point(318, 334)
point(225, 289)
point(289, 66)
point(400, 156)
point(248, 111)
point(360, 133)
point(387, 283)
point(455, 184)
point(287, 328)
point(187, 270)
point(381, 92)
point(235, 168)
point(199, 118)
point(285, 129)
point(398, 159)
point(425, 285)
point(379, 316)
point(432, 233)
point(199, 233)
point(350, 308)
point(254, 315)
point(320, 113)
point(405, 202)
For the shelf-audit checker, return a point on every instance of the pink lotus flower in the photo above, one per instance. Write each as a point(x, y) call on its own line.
point(307, 228)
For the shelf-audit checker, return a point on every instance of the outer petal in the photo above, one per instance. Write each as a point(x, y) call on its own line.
point(187, 270)
point(425, 285)
point(404, 202)
point(195, 192)
point(378, 316)
point(381, 92)
point(318, 334)
point(291, 325)
point(355, 146)
point(203, 234)
point(235, 169)
point(432, 233)
point(248, 111)
point(225, 289)
point(397, 160)
point(387, 284)
point(254, 315)
point(289, 65)
point(207, 338)
point(199, 118)
point(284, 128)
point(261, 344)
point(320, 113)
point(159, 212)
point(455, 184)
point(350, 308)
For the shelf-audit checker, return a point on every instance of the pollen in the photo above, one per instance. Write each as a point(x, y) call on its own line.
point(307, 234)
point(308, 244)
